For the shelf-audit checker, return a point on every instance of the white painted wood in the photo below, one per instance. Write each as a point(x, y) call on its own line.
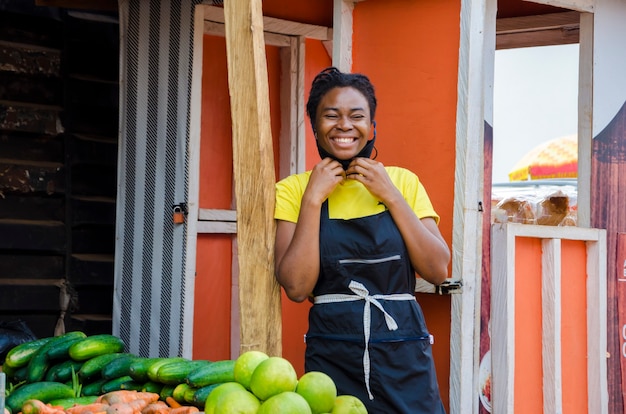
point(279, 26)
point(579, 5)
point(206, 214)
point(585, 119)
point(342, 34)
point(551, 326)
point(503, 313)
point(292, 144)
point(193, 201)
point(597, 326)
point(502, 319)
point(467, 220)
point(216, 227)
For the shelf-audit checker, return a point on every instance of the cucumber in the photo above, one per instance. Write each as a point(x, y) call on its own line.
point(201, 394)
point(213, 373)
point(61, 350)
point(8, 370)
point(93, 388)
point(118, 367)
point(188, 395)
point(20, 355)
point(44, 391)
point(177, 371)
point(118, 384)
point(92, 368)
point(179, 392)
point(153, 369)
point(62, 371)
point(95, 345)
point(40, 361)
point(167, 391)
point(139, 368)
point(72, 401)
point(151, 386)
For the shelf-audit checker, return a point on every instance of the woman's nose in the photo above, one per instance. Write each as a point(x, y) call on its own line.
point(344, 123)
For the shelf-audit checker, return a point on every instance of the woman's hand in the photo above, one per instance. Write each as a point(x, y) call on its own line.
point(373, 175)
point(325, 176)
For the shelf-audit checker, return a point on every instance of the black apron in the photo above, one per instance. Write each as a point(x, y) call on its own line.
point(366, 330)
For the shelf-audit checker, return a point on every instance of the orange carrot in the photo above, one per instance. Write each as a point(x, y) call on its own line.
point(159, 407)
point(185, 409)
point(124, 396)
point(119, 408)
point(88, 408)
point(172, 402)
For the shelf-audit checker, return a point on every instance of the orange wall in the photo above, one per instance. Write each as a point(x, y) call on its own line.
point(528, 327)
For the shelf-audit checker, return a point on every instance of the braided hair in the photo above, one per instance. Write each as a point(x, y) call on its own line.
point(332, 77)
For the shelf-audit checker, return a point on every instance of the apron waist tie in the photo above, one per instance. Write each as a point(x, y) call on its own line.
point(361, 293)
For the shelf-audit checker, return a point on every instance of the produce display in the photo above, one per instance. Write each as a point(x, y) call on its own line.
point(75, 373)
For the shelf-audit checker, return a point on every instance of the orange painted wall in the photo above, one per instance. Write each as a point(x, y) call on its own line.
point(528, 353)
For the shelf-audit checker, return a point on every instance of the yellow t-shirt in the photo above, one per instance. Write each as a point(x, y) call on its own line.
point(351, 199)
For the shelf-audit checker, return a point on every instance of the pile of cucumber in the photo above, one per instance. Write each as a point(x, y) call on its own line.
point(75, 368)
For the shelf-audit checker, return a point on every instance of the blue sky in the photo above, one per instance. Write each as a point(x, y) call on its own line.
point(535, 100)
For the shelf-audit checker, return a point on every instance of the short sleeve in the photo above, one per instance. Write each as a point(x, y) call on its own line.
point(414, 192)
point(289, 193)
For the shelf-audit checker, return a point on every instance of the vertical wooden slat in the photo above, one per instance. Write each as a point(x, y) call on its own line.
point(551, 325)
point(259, 294)
point(342, 34)
point(598, 399)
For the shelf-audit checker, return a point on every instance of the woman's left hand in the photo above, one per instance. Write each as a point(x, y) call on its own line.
point(373, 175)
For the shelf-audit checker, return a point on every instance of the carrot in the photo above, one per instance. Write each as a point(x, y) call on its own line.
point(39, 407)
point(159, 407)
point(185, 409)
point(172, 402)
point(124, 396)
point(119, 408)
point(88, 408)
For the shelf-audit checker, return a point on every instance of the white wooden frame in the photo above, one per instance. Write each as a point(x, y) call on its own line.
point(503, 314)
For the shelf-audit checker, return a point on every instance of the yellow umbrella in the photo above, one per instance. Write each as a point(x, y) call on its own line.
point(557, 158)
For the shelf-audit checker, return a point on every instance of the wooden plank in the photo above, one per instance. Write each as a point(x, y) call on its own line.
point(93, 299)
point(93, 239)
point(31, 266)
point(273, 25)
point(216, 227)
point(101, 5)
point(20, 207)
point(585, 119)
point(32, 235)
point(217, 215)
point(89, 324)
point(580, 5)
point(342, 35)
point(254, 176)
point(91, 269)
point(551, 326)
point(92, 210)
point(19, 116)
point(30, 59)
point(540, 30)
point(475, 21)
point(28, 88)
point(29, 298)
point(271, 39)
point(597, 383)
point(32, 147)
point(94, 180)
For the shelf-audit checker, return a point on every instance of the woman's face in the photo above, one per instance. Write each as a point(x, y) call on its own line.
point(343, 122)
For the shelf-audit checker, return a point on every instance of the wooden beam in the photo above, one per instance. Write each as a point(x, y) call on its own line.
point(253, 162)
point(342, 35)
point(273, 25)
point(579, 5)
point(541, 30)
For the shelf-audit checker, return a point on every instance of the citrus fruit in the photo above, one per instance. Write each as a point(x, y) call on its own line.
point(287, 402)
point(348, 404)
point(218, 393)
point(273, 376)
point(237, 402)
point(245, 365)
point(319, 390)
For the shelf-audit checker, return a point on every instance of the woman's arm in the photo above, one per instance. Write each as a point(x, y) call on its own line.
point(297, 256)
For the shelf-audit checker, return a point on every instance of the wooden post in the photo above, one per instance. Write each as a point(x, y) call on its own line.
point(259, 294)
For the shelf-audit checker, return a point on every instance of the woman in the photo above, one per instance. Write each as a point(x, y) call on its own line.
point(350, 236)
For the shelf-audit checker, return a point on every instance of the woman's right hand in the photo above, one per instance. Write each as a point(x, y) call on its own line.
point(325, 176)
